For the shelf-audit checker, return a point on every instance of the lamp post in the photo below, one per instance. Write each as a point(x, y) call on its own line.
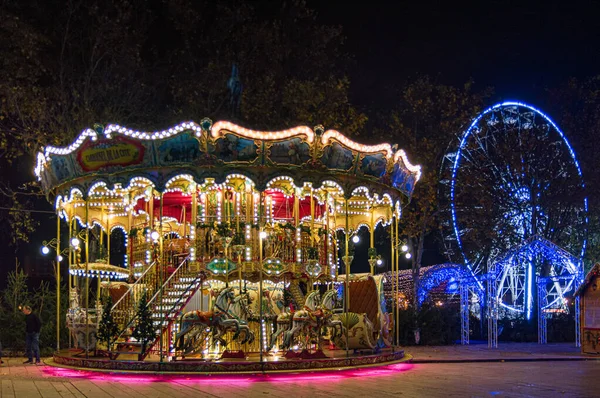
point(54, 243)
point(376, 261)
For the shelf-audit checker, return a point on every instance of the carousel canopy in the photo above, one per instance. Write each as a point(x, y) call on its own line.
point(118, 157)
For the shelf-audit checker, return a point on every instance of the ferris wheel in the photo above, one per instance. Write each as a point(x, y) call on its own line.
point(513, 175)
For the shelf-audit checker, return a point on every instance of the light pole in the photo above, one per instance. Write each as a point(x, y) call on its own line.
point(54, 244)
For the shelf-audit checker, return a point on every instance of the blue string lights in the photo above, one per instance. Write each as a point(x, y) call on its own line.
point(512, 118)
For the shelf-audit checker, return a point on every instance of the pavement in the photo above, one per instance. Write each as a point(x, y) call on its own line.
point(512, 370)
point(479, 352)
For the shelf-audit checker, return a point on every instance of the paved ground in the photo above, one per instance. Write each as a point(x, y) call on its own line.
point(546, 378)
point(505, 351)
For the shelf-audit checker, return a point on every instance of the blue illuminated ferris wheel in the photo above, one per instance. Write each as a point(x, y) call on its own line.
point(511, 176)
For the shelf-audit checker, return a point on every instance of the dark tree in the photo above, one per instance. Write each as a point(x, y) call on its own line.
point(144, 331)
point(108, 328)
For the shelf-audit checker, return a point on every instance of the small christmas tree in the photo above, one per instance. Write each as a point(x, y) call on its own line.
point(108, 328)
point(144, 332)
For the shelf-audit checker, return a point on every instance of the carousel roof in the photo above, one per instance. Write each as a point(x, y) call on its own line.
point(117, 155)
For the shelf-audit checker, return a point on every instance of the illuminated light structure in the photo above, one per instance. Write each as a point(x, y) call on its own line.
point(563, 277)
point(506, 176)
point(194, 201)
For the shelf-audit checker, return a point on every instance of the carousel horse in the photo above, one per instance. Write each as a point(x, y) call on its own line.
point(305, 320)
point(284, 322)
point(327, 305)
point(220, 320)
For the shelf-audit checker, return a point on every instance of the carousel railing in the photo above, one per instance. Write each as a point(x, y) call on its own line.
point(183, 284)
point(124, 309)
point(156, 304)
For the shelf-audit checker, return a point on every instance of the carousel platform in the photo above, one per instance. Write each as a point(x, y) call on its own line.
point(335, 360)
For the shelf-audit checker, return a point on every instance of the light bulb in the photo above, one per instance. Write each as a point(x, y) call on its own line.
point(263, 234)
point(355, 239)
point(404, 248)
point(379, 261)
point(59, 258)
point(45, 250)
point(154, 235)
point(408, 255)
point(75, 242)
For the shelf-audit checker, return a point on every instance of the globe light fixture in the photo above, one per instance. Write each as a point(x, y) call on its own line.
point(45, 250)
point(355, 239)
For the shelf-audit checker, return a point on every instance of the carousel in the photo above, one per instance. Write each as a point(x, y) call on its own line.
point(211, 247)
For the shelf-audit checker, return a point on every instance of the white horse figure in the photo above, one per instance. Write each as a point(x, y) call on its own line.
point(306, 320)
point(328, 304)
point(220, 321)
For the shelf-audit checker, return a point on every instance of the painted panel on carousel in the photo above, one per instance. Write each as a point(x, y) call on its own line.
point(403, 179)
point(61, 169)
point(373, 165)
point(232, 148)
point(117, 152)
point(293, 151)
point(335, 156)
point(183, 148)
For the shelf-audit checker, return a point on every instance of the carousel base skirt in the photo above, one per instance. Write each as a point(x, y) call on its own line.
point(335, 360)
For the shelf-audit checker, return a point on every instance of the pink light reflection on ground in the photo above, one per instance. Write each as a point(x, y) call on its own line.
point(241, 379)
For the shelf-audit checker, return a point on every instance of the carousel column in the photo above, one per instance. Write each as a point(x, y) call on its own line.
point(372, 262)
point(70, 264)
point(162, 275)
point(394, 273)
point(262, 235)
point(58, 258)
point(87, 277)
point(327, 246)
point(131, 239)
point(336, 259)
point(311, 287)
point(347, 287)
point(193, 218)
point(397, 319)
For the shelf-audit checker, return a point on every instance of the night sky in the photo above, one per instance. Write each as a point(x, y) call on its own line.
point(517, 47)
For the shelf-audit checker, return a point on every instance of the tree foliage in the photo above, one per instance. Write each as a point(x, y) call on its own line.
point(43, 302)
point(575, 105)
point(107, 328)
point(144, 331)
point(148, 65)
point(427, 117)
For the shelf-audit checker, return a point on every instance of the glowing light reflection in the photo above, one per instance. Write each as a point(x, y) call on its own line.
point(240, 379)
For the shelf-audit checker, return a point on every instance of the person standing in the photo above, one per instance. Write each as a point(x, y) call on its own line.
point(32, 334)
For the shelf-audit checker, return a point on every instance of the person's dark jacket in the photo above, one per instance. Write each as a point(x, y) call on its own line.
point(32, 323)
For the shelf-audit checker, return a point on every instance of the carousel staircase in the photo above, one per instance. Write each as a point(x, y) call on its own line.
point(166, 306)
point(297, 293)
